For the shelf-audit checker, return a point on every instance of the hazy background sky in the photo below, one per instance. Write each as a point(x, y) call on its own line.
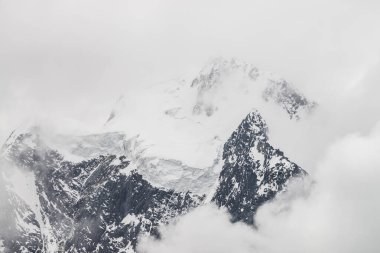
point(70, 60)
point(65, 63)
point(337, 214)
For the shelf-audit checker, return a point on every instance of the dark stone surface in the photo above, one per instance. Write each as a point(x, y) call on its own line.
point(253, 170)
point(100, 205)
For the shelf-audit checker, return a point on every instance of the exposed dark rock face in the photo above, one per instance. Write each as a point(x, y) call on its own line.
point(117, 208)
point(93, 206)
point(253, 170)
point(272, 89)
point(102, 205)
point(288, 98)
point(20, 231)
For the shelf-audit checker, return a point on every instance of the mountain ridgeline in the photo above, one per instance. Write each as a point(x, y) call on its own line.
point(106, 201)
point(99, 205)
point(253, 171)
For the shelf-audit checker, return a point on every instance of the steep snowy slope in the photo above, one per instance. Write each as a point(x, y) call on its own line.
point(184, 123)
point(103, 204)
point(162, 152)
point(253, 171)
point(189, 118)
point(88, 205)
point(20, 229)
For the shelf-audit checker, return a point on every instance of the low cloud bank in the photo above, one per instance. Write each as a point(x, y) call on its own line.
point(206, 229)
point(337, 212)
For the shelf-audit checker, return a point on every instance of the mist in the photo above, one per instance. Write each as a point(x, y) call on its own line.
point(70, 61)
point(64, 64)
point(335, 210)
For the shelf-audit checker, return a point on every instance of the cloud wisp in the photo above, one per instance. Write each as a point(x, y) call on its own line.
point(337, 212)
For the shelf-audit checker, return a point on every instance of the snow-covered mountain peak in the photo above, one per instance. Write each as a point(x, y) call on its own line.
point(107, 200)
point(162, 151)
point(189, 118)
point(256, 125)
point(222, 80)
point(253, 170)
point(214, 71)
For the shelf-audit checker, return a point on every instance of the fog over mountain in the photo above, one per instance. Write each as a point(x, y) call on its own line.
point(189, 126)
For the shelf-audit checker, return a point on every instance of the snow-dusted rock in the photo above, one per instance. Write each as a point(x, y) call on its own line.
point(253, 171)
point(100, 192)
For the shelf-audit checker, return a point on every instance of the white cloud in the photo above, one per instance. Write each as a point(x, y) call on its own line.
point(206, 229)
point(339, 213)
point(64, 63)
point(71, 60)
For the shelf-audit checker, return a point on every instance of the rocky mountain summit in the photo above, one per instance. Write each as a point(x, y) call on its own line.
point(253, 171)
point(100, 205)
point(102, 192)
point(272, 88)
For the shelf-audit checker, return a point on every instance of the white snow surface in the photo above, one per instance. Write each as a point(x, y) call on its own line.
point(189, 120)
point(173, 132)
point(22, 183)
point(130, 219)
point(2, 248)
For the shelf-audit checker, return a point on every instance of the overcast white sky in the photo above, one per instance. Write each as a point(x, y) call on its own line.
point(339, 214)
point(67, 62)
point(71, 59)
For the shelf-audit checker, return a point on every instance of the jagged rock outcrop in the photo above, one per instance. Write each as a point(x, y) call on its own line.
point(20, 230)
point(97, 205)
point(118, 208)
point(271, 88)
point(100, 192)
point(103, 205)
point(253, 171)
